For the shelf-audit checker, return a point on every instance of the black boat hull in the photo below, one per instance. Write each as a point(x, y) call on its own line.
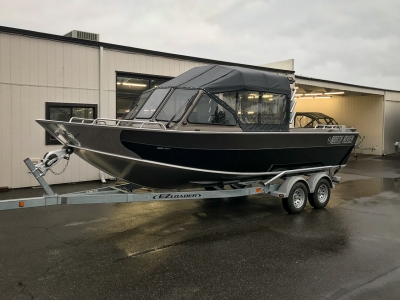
point(175, 159)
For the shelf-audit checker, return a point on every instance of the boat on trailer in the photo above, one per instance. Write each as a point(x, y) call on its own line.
point(211, 126)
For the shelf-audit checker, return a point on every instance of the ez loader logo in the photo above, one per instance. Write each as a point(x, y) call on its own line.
point(341, 139)
point(171, 196)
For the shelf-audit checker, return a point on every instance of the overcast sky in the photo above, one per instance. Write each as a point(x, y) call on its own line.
point(350, 41)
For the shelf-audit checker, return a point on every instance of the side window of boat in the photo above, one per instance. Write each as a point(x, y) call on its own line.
point(151, 105)
point(248, 106)
point(208, 111)
point(261, 108)
point(272, 108)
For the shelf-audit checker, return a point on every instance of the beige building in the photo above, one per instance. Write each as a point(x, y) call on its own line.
point(50, 76)
point(374, 112)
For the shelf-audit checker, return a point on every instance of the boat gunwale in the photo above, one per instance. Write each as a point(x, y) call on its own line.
point(320, 131)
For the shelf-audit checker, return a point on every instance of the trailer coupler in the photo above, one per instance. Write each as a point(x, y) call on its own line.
point(50, 159)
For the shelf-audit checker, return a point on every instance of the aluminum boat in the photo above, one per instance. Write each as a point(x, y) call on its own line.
point(212, 125)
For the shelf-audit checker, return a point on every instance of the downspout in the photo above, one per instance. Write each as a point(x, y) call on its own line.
point(100, 82)
point(383, 125)
point(101, 173)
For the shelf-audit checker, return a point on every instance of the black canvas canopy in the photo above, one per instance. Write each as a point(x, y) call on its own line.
point(217, 79)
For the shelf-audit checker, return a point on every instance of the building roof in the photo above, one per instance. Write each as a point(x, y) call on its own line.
point(300, 77)
point(66, 39)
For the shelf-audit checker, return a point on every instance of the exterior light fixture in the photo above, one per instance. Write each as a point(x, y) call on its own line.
point(313, 94)
point(334, 93)
point(134, 84)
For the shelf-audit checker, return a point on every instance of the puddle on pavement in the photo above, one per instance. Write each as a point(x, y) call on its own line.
point(367, 187)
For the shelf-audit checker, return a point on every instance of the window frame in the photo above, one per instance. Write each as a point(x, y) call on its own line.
point(49, 140)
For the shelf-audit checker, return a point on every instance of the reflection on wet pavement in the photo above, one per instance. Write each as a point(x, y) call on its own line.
point(246, 248)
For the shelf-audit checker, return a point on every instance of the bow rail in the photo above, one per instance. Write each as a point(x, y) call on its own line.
point(118, 122)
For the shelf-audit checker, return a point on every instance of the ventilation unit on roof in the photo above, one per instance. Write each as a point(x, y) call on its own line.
point(83, 35)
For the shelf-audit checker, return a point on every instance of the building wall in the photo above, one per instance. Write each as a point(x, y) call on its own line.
point(362, 112)
point(34, 71)
point(392, 121)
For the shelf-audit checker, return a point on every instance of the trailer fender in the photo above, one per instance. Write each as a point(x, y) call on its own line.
point(315, 178)
point(286, 186)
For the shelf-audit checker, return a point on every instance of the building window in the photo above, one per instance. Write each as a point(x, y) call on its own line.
point(130, 87)
point(64, 112)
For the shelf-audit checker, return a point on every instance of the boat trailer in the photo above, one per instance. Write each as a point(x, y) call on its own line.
point(294, 188)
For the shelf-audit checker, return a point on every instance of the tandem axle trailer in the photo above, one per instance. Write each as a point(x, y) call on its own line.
point(294, 188)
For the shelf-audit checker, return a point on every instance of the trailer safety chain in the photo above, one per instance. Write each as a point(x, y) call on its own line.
point(66, 165)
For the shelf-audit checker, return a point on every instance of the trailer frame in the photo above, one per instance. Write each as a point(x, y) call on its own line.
point(125, 193)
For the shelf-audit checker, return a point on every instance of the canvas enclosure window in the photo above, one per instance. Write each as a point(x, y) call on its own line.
point(208, 111)
point(257, 108)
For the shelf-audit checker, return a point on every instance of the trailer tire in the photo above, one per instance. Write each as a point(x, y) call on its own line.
point(297, 199)
point(321, 195)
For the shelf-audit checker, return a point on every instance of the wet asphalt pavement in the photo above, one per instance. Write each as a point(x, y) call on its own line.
point(215, 249)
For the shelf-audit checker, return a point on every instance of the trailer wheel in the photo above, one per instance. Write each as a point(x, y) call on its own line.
point(321, 195)
point(297, 199)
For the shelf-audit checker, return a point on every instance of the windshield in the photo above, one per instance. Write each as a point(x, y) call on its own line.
point(175, 105)
point(136, 105)
point(148, 109)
